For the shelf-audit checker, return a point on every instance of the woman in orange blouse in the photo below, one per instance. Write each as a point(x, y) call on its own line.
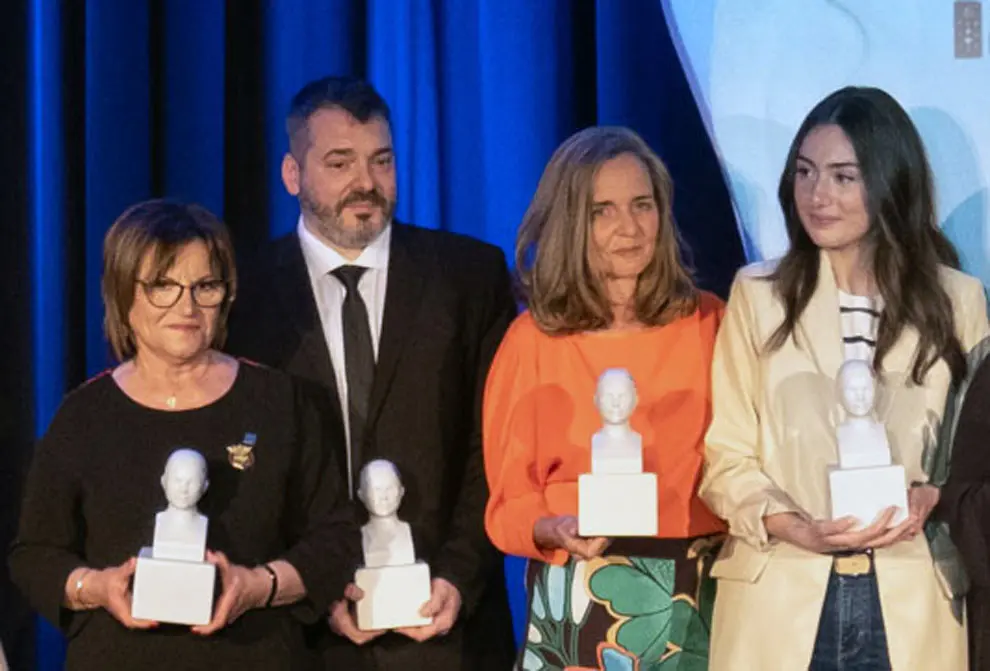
point(599, 259)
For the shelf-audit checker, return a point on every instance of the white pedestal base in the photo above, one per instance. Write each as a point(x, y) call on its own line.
point(393, 596)
point(866, 492)
point(617, 505)
point(177, 592)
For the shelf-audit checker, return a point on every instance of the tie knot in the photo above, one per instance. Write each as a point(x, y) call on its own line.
point(349, 275)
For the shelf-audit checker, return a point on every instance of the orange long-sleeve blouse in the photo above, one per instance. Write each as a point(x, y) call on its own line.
point(539, 417)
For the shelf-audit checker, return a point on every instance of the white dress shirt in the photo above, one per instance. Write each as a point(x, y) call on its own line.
point(330, 292)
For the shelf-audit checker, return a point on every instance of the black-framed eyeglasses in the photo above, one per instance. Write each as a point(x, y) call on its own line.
point(164, 293)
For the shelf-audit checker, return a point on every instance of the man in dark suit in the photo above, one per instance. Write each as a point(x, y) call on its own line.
point(395, 326)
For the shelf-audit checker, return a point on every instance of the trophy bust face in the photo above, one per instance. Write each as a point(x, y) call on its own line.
point(385, 539)
point(862, 441)
point(184, 480)
point(857, 388)
point(615, 397)
point(380, 488)
point(616, 448)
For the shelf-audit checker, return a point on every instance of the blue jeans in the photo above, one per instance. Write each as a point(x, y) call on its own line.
point(850, 634)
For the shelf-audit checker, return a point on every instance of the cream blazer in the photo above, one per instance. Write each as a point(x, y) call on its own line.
point(770, 443)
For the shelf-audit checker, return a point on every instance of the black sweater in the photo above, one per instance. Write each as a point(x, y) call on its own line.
point(94, 489)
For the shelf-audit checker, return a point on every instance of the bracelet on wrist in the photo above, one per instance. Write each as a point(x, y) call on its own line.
point(273, 589)
point(79, 584)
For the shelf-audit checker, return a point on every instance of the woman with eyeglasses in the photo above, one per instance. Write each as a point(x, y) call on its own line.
point(281, 532)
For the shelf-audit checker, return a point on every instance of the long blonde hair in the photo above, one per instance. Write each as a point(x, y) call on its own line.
point(564, 294)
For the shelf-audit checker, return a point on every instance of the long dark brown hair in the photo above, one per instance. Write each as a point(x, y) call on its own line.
point(563, 293)
point(908, 246)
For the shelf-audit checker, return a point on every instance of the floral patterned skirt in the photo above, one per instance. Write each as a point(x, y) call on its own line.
point(644, 606)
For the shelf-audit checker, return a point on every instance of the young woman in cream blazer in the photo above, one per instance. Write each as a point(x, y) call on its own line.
point(797, 590)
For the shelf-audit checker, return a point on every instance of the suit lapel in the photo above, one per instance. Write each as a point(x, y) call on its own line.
point(900, 357)
point(820, 325)
point(295, 293)
point(403, 296)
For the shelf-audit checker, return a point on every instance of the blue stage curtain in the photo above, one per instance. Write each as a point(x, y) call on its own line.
point(130, 99)
point(302, 41)
point(46, 149)
point(641, 84)
point(118, 137)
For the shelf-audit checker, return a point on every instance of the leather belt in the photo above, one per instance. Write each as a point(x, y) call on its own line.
point(853, 563)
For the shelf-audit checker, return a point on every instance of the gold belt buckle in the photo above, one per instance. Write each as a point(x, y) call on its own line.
point(857, 564)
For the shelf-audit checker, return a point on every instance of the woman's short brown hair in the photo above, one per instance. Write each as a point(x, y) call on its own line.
point(564, 294)
point(161, 228)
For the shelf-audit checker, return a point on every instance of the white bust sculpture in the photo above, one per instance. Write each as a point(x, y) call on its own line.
point(385, 539)
point(180, 531)
point(862, 441)
point(617, 498)
point(616, 448)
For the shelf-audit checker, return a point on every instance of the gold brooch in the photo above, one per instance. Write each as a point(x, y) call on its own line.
point(241, 456)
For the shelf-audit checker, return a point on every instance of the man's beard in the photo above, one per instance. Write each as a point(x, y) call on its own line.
point(330, 222)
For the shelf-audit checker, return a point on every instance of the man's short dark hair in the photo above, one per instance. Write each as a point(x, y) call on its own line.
point(355, 96)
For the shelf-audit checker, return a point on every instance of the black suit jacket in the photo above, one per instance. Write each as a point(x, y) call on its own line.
point(447, 305)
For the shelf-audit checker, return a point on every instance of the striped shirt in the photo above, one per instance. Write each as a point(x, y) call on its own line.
point(860, 316)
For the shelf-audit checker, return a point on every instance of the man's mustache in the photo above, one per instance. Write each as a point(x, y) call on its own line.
point(371, 197)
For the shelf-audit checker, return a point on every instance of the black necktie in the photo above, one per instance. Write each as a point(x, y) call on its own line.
point(359, 358)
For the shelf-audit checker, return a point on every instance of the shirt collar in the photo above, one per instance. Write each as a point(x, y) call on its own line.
point(322, 258)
